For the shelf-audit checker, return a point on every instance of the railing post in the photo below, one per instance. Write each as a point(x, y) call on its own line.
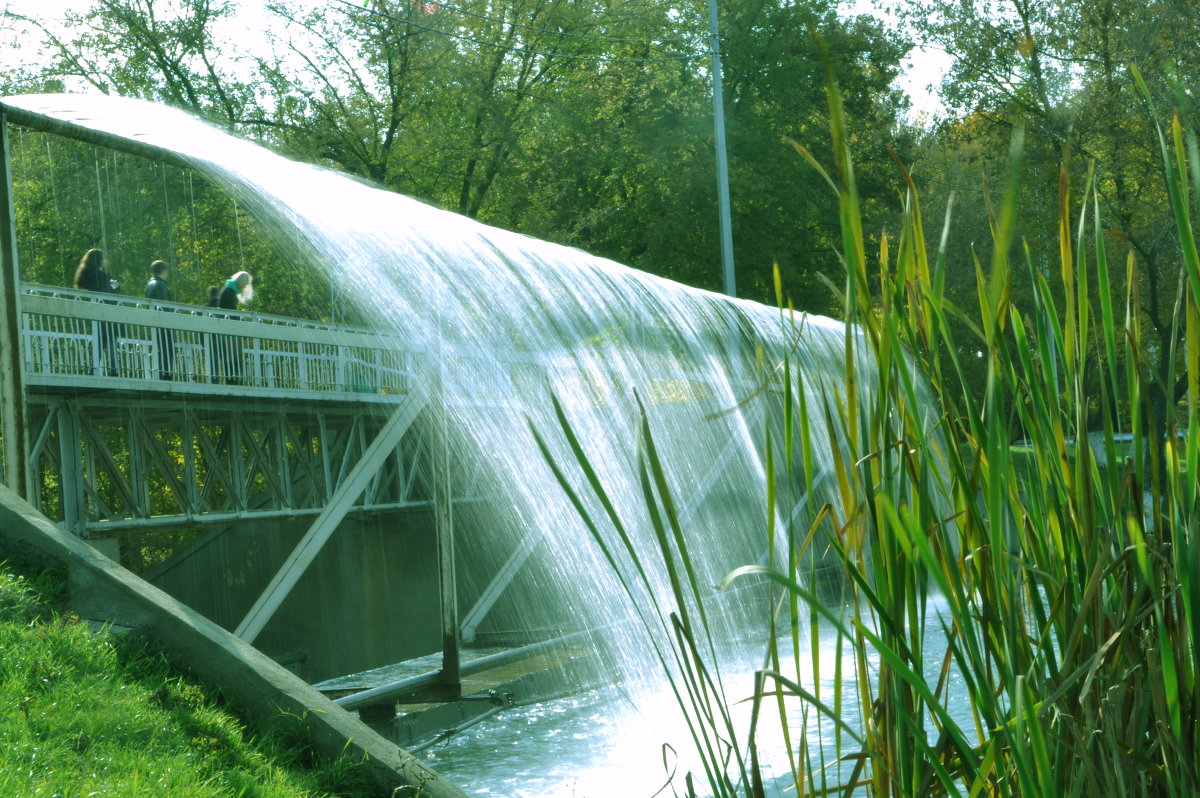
point(303, 354)
point(97, 366)
point(13, 421)
point(257, 354)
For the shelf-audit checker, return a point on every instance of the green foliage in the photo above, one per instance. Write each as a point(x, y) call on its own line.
point(590, 125)
point(152, 49)
point(85, 713)
point(71, 197)
point(1067, 588)
point(1062, 70)
point(623, 165)
point(1059, 575)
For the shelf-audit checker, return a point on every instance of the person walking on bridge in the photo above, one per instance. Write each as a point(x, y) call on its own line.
point(238, 289)
point(90, 275)
point(157, 289)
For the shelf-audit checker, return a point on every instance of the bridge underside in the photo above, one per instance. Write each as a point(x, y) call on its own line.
point(371, 596)
point(139, 462)
point(211, 498)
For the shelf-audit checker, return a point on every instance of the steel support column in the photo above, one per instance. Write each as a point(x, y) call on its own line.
point(13, 419)
point(451, 677)
point(72, 480)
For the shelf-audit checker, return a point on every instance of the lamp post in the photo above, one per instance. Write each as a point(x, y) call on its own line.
point(722, 160)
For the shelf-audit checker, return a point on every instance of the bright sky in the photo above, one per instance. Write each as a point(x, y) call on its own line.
point(924, 70)
point(924, 67)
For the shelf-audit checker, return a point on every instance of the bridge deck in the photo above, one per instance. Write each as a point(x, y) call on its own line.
point(75, 340)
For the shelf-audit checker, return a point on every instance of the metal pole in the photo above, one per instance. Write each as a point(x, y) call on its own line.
point(12, 381)
point(443, 513)
point(722, 159)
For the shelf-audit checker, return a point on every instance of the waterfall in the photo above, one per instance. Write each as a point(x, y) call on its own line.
point(498, 323)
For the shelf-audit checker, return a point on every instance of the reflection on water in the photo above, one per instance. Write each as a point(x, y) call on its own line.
point(592, 745)
point(586, 745)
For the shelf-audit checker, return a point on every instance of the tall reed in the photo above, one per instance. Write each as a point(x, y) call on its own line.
point(1018, 622)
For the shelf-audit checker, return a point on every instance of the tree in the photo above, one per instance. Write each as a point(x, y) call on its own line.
point(627, 167)
point(153, 49)
point(1062, 70)
point(588, 125)
point(779, 56)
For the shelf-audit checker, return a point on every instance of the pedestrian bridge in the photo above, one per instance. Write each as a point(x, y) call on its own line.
point(216, 453)
point(149, 414)
point(229, 460)
point(245, 462)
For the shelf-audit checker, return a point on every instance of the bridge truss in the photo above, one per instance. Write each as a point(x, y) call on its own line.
point(105, 463)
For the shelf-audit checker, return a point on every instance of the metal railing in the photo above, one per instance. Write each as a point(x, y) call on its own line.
point(84, 339)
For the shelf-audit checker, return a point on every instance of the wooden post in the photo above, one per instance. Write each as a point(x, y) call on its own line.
point(12, 382)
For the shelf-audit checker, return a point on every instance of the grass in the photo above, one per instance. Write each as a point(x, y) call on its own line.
point(1068, 595)
point(98, 714)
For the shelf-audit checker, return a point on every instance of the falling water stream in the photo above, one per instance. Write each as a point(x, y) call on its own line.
point(498, 323)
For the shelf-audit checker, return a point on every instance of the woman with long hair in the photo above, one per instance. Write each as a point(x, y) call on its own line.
point(90, 275)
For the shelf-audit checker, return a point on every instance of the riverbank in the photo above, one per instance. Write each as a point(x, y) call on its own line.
point(86, 710)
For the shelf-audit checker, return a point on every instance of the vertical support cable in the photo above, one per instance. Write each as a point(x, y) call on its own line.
point(237, 223)
point(722, 159)
point(13, 421)
point(58, 235)
point(100, 204)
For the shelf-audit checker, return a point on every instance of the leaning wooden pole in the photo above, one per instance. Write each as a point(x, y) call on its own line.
point(12, 384)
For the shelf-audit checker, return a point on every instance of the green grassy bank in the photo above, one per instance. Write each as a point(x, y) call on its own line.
point(85, 713)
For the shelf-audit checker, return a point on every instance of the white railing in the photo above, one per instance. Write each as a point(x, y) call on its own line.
point(84, 339)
